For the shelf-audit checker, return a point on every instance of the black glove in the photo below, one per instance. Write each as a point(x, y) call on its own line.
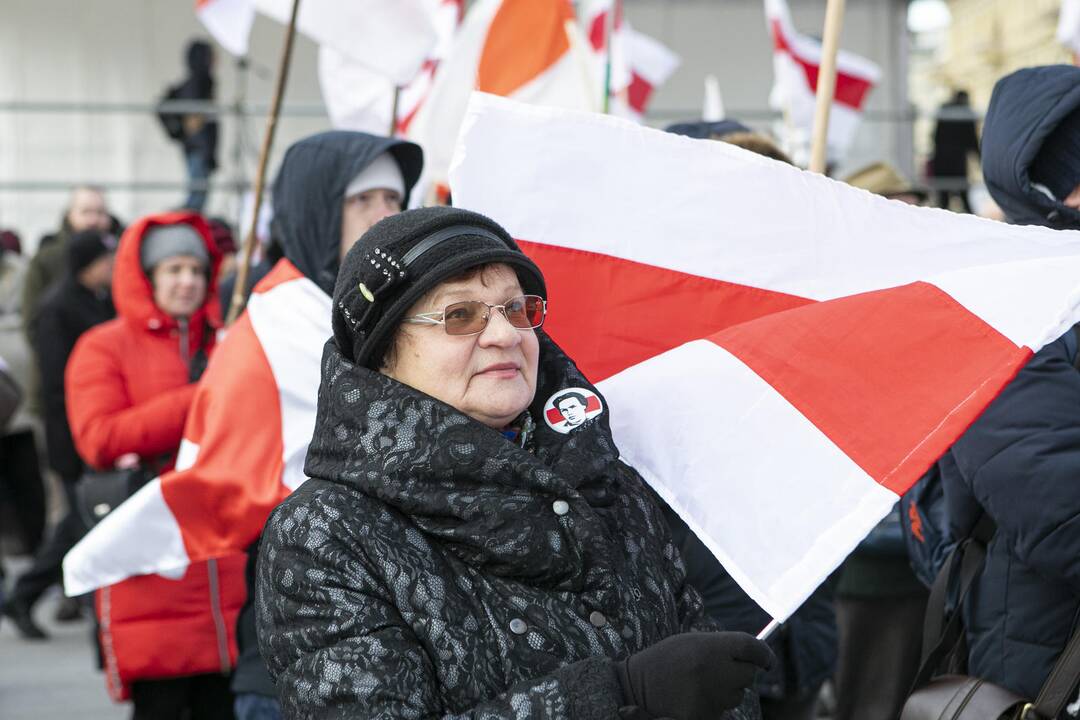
point(692, 675)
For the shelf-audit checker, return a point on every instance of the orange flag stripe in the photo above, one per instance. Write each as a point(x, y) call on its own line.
point(526, 38)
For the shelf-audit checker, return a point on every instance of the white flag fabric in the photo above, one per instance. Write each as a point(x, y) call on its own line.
point(390, 37)
point(1068, 30)
point(796, 62)
point(779, 377)
point(358, 98)
point(229, 21)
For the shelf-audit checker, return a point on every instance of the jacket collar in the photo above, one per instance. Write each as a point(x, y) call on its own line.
point(492, 502)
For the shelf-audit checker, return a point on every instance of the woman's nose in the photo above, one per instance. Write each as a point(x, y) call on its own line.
point(499, 331)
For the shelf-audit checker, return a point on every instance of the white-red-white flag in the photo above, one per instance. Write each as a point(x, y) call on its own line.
point(358, 98)
point(796, 63)
point(780, 378)
point(243, 450)
point(639, 64)
point(228, 21)
point(531, 50)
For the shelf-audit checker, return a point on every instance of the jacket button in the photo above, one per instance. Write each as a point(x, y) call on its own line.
point(561, 507)
point(597, 619)
point(519, 626)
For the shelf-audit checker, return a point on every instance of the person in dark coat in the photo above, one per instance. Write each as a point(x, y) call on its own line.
point(330, 189)
point(74, 305)
point(1019, 462)
point(200, 132)
point(453, 552)
point(955, 138)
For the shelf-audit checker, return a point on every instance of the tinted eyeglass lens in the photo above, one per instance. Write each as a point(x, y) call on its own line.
point(465, 318)
point(534, 311)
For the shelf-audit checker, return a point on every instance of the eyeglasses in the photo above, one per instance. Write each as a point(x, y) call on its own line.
point(470, 317)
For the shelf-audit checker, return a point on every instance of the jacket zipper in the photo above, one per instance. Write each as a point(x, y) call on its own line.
point(185, 343)
point(219, 618)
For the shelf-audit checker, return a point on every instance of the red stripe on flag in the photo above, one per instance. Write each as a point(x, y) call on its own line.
point(878, 373)
point(643, 310)
point(851, 90)
point(638, 93)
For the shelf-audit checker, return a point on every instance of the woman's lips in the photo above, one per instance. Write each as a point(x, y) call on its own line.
point(500, 371)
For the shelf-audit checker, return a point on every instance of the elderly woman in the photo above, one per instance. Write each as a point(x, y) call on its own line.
point(462, 548)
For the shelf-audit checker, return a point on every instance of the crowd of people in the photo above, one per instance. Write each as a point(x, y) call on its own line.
point(445, 554)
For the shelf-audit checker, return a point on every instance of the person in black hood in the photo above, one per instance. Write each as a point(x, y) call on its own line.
point(450, 556)
point(1018, 463)
point(1031, 136)
point(330, 189)
point(200, 132)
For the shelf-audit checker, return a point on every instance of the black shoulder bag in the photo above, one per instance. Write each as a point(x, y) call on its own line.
point(954, 695)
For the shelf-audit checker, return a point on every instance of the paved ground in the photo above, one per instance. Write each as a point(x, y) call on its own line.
point(54, 679)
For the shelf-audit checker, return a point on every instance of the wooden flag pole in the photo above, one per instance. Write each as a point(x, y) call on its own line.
point(826, 84)
point(394, 111)
point(239, 291)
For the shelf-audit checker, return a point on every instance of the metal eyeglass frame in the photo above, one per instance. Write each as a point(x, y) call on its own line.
point(437, 318)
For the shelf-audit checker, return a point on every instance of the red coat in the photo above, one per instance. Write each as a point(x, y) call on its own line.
point(127, 392)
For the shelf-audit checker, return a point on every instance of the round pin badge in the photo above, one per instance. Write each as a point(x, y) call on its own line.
point(569, 408)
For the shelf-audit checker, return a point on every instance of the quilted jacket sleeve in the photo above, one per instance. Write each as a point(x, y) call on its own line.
point(1020, 462)
point(105, 424)
point(338, 648)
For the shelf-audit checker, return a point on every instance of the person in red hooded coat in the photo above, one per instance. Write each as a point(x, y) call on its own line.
point(168, 644)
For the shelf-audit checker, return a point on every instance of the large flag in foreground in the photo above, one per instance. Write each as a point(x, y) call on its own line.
point(782, 355)
point(796, 63)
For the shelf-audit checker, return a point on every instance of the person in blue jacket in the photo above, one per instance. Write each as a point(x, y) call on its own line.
point(1020, 461)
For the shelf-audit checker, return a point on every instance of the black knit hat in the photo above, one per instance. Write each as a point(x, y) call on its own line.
point(1057, 166)
point(87, 246)
point(403, 257)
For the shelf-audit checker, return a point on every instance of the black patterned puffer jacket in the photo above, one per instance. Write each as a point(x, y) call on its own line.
point(433, 568)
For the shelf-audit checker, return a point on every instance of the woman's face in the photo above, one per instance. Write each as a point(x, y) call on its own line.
point(491, 377)
point(179, 285)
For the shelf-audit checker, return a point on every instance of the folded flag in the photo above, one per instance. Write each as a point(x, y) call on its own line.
point(782, 355)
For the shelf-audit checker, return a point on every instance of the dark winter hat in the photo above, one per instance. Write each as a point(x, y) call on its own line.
point(1057, 166)
point(10, 242)
point(403, 257)
point(162, 242)
point(87, 246)
point(706, 129)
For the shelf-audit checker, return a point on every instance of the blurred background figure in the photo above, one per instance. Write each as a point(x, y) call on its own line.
point(70, 308)
point(883, 179)
point(22, 492)
point(197, 133)
point(128, 385)
point(86, 211)
point(955, 139)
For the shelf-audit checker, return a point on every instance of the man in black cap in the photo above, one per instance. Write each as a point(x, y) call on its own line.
point(73, 306)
